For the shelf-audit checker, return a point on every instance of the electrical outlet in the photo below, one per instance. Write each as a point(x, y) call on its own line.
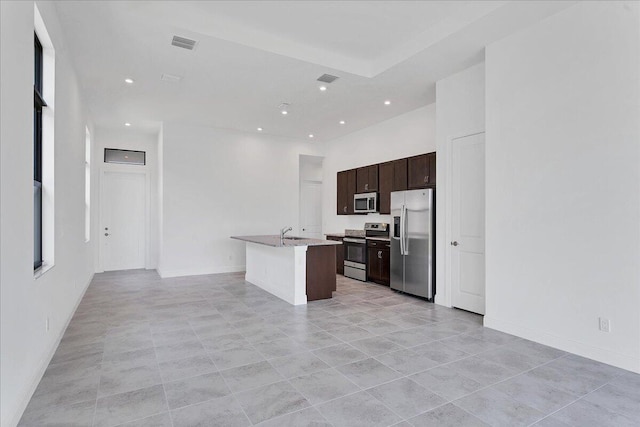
point(605, 325)
point(46, 324)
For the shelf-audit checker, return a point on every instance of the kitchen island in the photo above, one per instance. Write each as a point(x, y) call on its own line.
point(295, 269)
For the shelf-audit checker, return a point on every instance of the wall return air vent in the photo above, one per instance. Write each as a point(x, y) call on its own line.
point(183, 42)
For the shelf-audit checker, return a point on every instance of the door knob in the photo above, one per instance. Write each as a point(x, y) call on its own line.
point(454, 243)
point(106, 234)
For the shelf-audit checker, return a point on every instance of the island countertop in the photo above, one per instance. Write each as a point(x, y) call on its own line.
point(291, 241)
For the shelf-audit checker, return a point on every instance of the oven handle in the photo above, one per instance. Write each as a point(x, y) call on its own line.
point(362, 241)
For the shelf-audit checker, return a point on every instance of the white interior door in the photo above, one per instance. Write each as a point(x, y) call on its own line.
point(467, 224)
point(311, 209)
point(123, 221)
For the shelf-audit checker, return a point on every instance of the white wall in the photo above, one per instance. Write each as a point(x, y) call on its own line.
point(406, 135)
point(26, 303)
point(217, 183)
point(160, 196)
point(460, 111)
point(563, 182)
point(130, 139)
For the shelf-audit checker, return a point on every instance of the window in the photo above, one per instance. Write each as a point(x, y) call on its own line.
point(127, 157)
point(38, 104)
point(87, 186)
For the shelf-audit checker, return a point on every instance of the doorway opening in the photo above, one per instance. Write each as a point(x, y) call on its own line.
point(310, 215)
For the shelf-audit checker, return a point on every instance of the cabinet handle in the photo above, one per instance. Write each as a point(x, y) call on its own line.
point(345, 209)
point(366, 186)
point(426, 179)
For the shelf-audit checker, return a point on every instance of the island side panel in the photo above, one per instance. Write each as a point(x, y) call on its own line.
point(280, 271)
point(321, 272)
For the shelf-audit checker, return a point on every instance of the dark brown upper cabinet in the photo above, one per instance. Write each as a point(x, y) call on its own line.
point(346, 189)
point(343, 201)
point(399, 175)
point(432, 168)
point(392, 177)
point(351, 190)
point(367, 179)
point(386, 178)
point(419, 173)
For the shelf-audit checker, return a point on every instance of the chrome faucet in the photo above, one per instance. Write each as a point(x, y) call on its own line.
point(284, 231)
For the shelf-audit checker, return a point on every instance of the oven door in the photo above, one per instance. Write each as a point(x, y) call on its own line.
point(355, 250)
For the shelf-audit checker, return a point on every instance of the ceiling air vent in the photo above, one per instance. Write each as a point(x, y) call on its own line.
point(327, 78)
point(170, 78)
point(183, 42)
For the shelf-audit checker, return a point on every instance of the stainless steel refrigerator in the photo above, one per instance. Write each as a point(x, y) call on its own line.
point(412, 242)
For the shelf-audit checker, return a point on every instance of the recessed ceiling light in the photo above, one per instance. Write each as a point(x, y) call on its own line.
point(127, 124)
point(322, 88)
point(310, 135)
point(387, 102)
point(284, 108)
point(259, 129)
point(128, 80)
point(342, 122)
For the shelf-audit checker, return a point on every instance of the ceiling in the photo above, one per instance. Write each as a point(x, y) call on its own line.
point(253, 56)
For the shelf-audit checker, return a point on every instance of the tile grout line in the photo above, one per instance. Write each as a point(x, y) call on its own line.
point(581, 398)
point(265, 311)
point(95, 409)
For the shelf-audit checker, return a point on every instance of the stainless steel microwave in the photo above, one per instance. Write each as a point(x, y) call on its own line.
point(365, 203)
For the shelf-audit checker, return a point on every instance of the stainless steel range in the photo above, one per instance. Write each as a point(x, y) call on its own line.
point(355, 254)
point(355, 248)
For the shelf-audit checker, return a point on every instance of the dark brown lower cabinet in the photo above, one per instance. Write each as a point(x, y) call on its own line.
point(378, 262)
point(321, 276)
point(339, 254)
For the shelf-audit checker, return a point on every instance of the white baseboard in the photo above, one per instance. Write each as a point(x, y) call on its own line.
point(440, 300)
point(609, 357)
point(44, 362)
point(199, 271)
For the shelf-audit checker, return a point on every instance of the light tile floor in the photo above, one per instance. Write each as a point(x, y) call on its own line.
point(217, 351)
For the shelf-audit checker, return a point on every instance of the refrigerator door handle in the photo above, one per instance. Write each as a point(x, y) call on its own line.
point(402, 230)
point(405, 239)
